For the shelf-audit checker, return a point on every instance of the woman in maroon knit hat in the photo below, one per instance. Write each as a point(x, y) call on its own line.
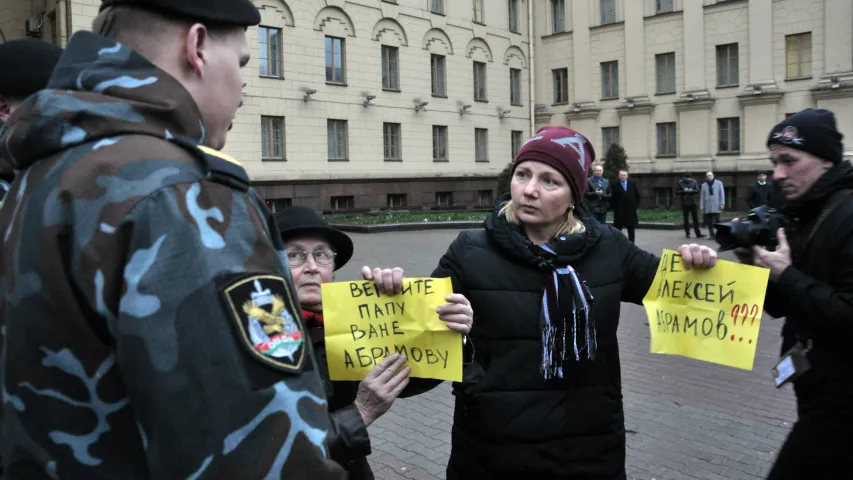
point(542, 398)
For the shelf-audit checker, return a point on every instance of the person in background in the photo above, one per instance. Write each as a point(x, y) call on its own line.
point(626, 201)
point(314, 252)
point(688, 189)
point(543, 397)
point(712, 200)
point(26, 66)
point(598, 194)
point(811, 286)
point(139, 265)
point(760, 192)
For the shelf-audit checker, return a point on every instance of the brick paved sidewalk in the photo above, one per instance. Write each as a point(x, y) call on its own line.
point(685, 419)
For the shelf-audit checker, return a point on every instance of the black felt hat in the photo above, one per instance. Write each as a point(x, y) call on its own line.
point(300, 221)
point(222, 12)
point(26, 66)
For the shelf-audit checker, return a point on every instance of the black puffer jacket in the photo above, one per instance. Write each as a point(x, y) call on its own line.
point(816, 295)
point(509, 422)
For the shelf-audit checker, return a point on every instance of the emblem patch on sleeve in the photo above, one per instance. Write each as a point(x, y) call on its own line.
point(267, 322)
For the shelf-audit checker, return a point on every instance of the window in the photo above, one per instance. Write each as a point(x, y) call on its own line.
point(728, 132)
point(485, 198)
point(558, 16)
point(608, 11)
point(609, 136)
point(344, 202)
point(665, 68)
point(335, 60)
point(666, 139)
point(513, 15)
point(397, 200)
point(436, 6)
point(664, 6)
point(731, 197)
point(337, 139)
point(439, 143)
point(561, 85)
point(438, 76)
point(727, 65)
point(390, 68)
point(391, 138)
point(515, 86)
point(54, 32)
point(444, 199)
point(279, 204)
point(798, 51)
point(478, 11)
point(480, 81)
point(515, 142)
point(481, 145)
point(610, 80)
point(269, 53)
point(272, 138)
point(663, 197)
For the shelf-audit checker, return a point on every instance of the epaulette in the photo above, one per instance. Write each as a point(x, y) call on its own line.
point(220, 168)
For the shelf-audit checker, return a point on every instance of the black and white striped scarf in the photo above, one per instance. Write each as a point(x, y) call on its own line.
point(567, 314)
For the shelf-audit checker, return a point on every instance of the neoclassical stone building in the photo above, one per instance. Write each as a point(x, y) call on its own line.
point(418, 104)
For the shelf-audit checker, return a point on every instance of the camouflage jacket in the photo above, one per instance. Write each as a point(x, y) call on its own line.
point(148, 319)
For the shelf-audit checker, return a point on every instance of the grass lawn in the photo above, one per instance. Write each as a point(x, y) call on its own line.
point(670, 216)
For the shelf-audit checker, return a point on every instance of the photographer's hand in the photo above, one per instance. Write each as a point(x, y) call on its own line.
point(776, 261)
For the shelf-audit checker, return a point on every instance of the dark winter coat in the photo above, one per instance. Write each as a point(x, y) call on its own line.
point(625, 204)
point(509, 422)
point(759, 194)
point(688, 199)
point(594, 202)
point(348, 438)
point(815, 295)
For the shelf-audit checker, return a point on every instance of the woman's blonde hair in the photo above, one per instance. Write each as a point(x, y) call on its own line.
point(570, 226)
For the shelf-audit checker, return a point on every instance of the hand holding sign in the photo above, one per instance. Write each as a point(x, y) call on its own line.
point(363, 326)
point(712, 315)
point(379, 389)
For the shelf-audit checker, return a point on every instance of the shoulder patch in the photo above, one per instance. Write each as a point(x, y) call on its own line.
point(221, 168)
point(267, 320)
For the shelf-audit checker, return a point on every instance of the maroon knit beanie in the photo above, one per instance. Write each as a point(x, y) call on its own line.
point(563, 149)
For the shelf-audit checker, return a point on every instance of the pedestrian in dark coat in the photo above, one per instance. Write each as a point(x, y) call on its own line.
point(688, 190)
point(760, 192)
point(598, 194)
point(314, 252)
point(533, 405)
point(625, 201)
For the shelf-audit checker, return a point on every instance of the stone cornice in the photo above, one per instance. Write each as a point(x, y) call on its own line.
point(583, 111)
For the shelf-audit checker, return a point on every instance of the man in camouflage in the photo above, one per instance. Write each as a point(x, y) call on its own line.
point(148, 317)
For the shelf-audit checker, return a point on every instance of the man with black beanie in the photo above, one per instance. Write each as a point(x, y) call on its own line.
point(26, 66)
point(811, 285)
point(150, 323)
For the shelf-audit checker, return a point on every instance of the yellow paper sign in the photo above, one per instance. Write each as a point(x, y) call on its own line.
point(707, 314)
point(364, 326)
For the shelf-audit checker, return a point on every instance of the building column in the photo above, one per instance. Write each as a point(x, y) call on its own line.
point(694, 47)
point(635, 50)
point(838, 36)
point(581, 51)
point(761, 41)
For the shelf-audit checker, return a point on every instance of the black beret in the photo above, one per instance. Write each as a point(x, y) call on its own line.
point(26, 66)
point(239, 13)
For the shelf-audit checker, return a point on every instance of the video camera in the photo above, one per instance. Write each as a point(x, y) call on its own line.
point(758, 228)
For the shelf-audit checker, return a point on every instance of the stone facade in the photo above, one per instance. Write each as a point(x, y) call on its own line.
point(677, 82)
point(730, 63)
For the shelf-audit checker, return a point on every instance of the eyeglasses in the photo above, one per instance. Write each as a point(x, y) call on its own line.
point(322, 256)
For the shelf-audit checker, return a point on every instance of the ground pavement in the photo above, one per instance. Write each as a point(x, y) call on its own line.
point(685, 419)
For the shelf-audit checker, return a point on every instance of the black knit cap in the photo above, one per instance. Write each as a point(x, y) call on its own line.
point(26, 66)
point(811, 130)
point(239, 13)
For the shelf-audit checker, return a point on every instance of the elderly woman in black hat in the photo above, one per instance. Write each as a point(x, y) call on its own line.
point(315, 251)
